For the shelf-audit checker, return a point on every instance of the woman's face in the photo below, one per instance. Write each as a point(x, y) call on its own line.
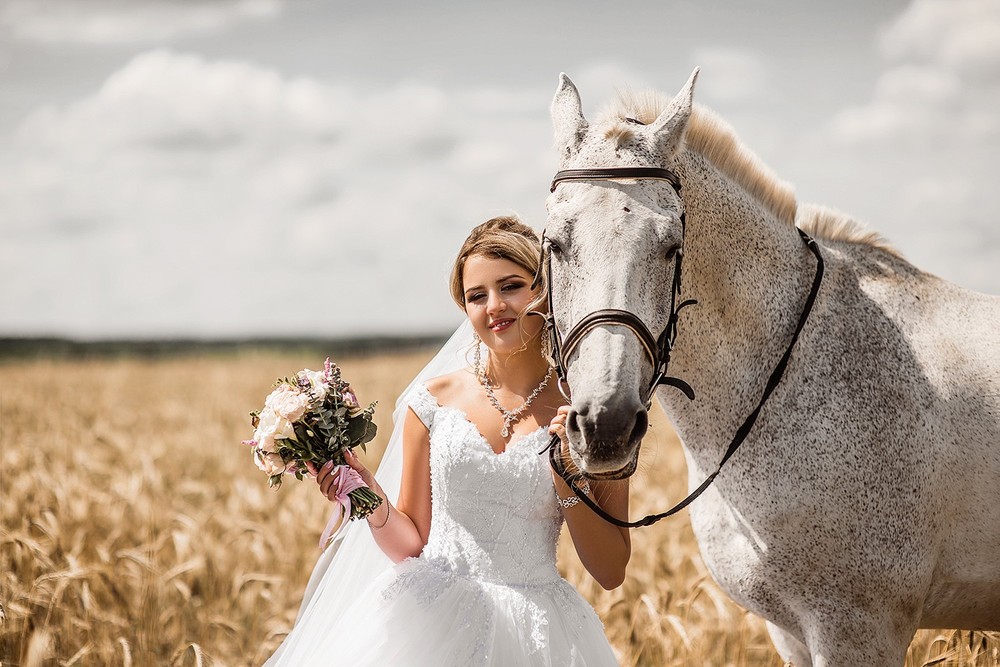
point(497, 294)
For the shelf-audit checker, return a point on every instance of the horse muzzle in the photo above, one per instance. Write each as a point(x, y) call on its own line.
point(605, 436)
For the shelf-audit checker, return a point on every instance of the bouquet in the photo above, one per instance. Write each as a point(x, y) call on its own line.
point(313, 417)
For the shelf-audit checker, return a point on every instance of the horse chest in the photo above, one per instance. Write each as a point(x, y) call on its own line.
point(741, 560)
point(776, 558)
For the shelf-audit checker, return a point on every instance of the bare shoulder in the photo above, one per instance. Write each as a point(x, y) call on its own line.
point(447, 388)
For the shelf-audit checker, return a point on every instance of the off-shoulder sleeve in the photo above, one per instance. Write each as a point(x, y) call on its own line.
point(423, 404)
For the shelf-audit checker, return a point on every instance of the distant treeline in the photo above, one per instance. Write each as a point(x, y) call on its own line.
point(64, 348)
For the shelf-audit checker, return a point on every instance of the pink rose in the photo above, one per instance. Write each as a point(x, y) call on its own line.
point(350, 400)
point(351, 403)
point(288, 402)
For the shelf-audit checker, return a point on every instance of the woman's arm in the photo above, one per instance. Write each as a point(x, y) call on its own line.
point(400, 531)
point(604, 549)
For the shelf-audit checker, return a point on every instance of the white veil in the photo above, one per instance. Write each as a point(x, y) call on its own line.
point(348, 565)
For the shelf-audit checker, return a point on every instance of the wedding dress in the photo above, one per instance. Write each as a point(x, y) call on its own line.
point(484, 591)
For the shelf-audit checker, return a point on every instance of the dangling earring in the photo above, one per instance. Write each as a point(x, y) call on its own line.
point(477, 355)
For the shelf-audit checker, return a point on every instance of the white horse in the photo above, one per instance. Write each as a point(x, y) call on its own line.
point(865, 503)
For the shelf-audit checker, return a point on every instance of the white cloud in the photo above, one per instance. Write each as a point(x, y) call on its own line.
point(736, 75)
point(129, 21)
point(188, 195)
point(920, 150)
point(938, 196)
point(943, 80)
point(912, 104)
point(960, 34)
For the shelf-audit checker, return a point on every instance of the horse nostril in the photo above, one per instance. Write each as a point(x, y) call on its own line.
point(580, 427)
point(639, 429)
point(575, 420)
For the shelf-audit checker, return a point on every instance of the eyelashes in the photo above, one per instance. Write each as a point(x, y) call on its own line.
point(506, 287)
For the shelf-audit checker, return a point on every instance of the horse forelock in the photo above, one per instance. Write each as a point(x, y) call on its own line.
point(644, 106)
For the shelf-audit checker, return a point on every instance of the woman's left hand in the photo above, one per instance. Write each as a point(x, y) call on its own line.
point(558, 425)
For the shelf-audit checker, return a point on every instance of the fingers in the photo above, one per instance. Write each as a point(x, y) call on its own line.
point(327, 480)
point(558, 427)
point(355, 462)
point(559, 421)
point(562, 414)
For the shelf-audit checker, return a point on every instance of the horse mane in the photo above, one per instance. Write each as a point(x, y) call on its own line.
point(711, 137)
point(832, 225)
point(715, 140)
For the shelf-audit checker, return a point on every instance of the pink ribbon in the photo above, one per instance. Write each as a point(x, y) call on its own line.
point(347, 479)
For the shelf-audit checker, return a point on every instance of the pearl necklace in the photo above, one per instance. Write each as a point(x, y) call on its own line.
point(511, 416)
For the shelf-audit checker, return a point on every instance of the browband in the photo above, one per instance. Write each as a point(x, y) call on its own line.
point(609, 173)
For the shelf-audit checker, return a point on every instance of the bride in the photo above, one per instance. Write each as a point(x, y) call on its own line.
point(464, 571)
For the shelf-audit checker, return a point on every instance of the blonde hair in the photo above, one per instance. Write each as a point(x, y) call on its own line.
point(504, 237)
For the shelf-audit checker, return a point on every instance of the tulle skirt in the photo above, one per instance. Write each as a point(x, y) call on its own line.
point(422, 613)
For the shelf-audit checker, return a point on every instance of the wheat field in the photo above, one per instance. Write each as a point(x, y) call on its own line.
point(136, 530)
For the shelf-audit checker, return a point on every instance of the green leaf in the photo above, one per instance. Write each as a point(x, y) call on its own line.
point(370, 431)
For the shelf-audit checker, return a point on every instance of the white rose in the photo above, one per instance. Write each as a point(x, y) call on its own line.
point(288, 402)
point(266, 422)
point(270, 463)
point(270, 427)
point(317, 382)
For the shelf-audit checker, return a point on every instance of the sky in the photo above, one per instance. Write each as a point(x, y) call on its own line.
point(239, 168)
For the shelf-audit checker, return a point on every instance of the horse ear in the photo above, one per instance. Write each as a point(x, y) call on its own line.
point(668, 128)
point(567, 117)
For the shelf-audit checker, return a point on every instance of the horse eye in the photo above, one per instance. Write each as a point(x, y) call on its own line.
point(672, 253)
point(554, 247)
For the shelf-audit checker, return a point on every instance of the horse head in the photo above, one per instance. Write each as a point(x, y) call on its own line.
point(612, 243)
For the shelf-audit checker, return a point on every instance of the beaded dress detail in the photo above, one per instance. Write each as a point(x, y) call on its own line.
point(485, 590)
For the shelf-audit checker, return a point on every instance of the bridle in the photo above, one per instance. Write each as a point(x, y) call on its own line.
point(657, 348)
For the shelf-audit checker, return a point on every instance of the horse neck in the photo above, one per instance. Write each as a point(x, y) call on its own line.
point(750, 273)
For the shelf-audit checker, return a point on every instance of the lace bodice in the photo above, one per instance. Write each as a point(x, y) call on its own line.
point(494, 516)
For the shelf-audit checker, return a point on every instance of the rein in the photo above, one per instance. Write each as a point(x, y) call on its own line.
point(657, 349)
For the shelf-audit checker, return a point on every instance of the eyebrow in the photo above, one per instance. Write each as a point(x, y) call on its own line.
point(499, 280)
